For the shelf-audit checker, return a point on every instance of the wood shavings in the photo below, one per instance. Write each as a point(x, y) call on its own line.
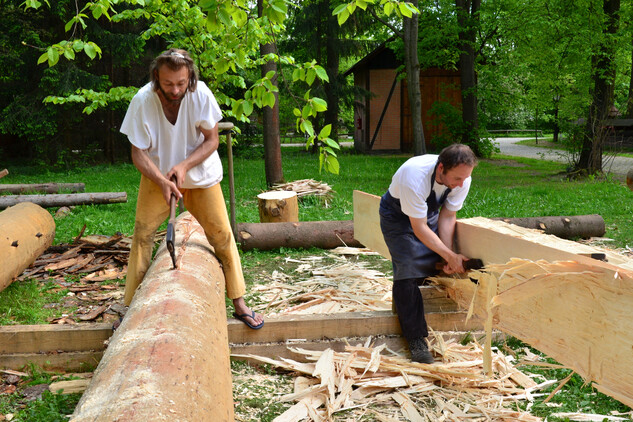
point(450, 390)
point(341, 287)
point(305, 187)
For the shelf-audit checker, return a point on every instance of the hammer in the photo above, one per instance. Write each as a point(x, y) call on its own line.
point(170, 237)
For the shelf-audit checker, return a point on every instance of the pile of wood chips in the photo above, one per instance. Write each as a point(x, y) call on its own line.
point(91, 260)
point(306, 187)
point(386, 385)
point(345, 286)
point(376, 381)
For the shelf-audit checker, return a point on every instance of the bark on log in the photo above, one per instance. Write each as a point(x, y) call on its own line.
point(60, 200)
point(278, 206)
point(42, 187)
point(169, 359)
point(26, 230)
point(565, 227)
point(305, 234)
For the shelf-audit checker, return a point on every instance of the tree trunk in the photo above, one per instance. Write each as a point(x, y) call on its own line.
point(629, 103)
point(169, 359)
point(412, 66)
point(305, 234)
point(331, 88)
point(42, 187)
point(278, 206)
point(468, 17)
point(68, 199)
point(272, 140)
point(27, 230)
point(603, 75)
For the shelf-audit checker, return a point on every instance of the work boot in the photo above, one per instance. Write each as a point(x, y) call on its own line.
point(420, 351)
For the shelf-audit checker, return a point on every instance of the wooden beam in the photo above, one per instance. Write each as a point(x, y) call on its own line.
point(169, 358)
point(367, 222)
point(53, 338)
point(66, 361)
point(26, 230)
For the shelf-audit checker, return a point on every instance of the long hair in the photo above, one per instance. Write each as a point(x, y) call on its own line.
point(174, 59)
point(456, 154)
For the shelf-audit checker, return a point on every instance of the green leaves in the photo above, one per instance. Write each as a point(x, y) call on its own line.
point(401, 8)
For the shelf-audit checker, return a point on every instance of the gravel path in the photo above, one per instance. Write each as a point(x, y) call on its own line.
point(618, 166)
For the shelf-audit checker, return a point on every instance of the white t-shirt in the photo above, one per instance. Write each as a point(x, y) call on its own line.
point(412, 185)
point(148, 129)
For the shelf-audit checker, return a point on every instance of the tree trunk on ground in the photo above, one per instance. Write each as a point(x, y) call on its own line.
point(468, 18)
point(272, 139)
point(305, 234)
point(27, 230)
point(565, 227)
point(603, 75)
point(42, 187)
point(412, 66)
point(60, 200)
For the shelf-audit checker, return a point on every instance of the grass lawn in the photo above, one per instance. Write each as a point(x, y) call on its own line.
point(502, 187)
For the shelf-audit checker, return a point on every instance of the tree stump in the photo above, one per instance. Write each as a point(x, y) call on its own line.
point(629, 179)
point(278, 207)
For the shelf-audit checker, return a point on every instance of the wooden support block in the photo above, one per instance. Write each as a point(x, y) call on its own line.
point(53, 338)
point(53, 361)
point(26, 230)
point(169, 358)
point(278, 206)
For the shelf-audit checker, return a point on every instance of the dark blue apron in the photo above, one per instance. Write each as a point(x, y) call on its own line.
point(409, 256)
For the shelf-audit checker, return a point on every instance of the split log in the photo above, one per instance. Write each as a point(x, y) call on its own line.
point(26, 230)
point(3, 173)
point(305, 234)
point(278, 206)
point(169, 359)
point(60, 200)
point(565, 227)
point(42, 187)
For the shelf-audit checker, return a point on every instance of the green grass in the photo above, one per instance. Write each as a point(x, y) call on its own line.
point(27, 302)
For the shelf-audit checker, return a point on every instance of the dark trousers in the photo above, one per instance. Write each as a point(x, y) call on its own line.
point(410, 308)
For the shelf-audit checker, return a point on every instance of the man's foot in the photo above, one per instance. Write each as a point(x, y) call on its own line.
point(246, 315)
point(420, 351)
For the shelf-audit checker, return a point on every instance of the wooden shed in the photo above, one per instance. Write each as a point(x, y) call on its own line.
point(382, 119)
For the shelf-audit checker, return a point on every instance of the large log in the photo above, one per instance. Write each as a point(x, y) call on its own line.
point(26, 230)
point(305, 234)
point(169, 359)
point(68, 199)
point(42, 187)
point(565, 227)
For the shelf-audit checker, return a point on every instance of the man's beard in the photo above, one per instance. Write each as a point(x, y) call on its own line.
point(169, 97)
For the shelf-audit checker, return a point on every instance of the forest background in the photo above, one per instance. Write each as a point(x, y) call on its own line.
point(69, 68)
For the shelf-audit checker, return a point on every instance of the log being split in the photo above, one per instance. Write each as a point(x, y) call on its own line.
point(306, 234)
point(42, 187)
point(169, 359)
point(60, 200)
point(26, 230)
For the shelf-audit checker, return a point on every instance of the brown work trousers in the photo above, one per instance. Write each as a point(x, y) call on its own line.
point(208, 207)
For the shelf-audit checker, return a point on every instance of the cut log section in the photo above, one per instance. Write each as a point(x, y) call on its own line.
point(42, 188)
point(68, 199)
point(305, 234)
point(26, 230)
point(3, 173)
point(278, 206)
point(169, 359)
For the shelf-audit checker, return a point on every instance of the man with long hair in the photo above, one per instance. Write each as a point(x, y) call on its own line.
point(172, 124)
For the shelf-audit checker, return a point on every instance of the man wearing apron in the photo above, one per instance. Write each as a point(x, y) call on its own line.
point(417, 218)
